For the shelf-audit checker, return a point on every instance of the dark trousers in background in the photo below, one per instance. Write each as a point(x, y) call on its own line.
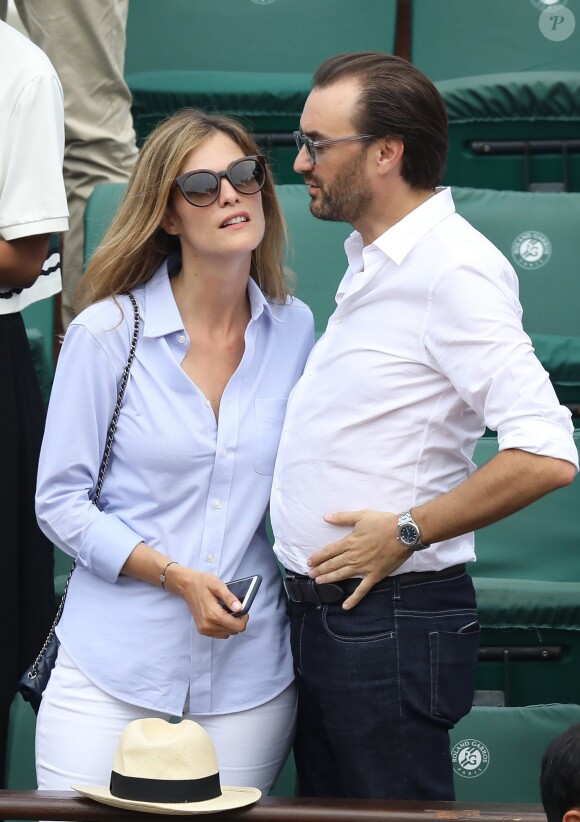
point(380, 686)
point(26, 581)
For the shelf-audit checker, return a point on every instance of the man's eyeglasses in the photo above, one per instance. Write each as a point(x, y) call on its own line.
point(312, 145)
point(202, 188)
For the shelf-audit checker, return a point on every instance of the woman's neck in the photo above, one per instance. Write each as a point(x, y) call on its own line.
point(213, 294)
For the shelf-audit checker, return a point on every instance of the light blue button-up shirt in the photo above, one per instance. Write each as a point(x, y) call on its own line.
point(193, 488)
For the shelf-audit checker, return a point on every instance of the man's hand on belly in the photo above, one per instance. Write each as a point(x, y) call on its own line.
point(371, 550)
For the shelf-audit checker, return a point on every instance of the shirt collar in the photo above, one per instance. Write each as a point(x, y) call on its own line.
point(400, 239)
point(162, 315)
point(258, 302)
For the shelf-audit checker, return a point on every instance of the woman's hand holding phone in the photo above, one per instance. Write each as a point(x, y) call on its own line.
point(204, 594)
point(244, 590)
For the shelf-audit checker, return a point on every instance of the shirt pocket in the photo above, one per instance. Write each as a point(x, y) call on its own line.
point(270, 414)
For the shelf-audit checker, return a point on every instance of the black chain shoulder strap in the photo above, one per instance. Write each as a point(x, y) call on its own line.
point(103, 466)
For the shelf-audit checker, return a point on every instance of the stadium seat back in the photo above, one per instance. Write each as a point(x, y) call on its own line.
point(538, 233)
point(252, 59)
point(540, 542)
point(20, 766)
point(497, 752)
point(252, 35)
point(455, 38)
point(99, 212)
point(315, 253)
point(515, 130)
point(527, 582)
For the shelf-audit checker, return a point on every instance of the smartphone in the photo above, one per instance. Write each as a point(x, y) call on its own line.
point(245, 590)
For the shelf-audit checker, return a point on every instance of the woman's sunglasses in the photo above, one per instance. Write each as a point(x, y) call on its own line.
point(202, 188)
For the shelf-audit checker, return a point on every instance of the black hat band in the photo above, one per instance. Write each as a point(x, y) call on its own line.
point(139, 789)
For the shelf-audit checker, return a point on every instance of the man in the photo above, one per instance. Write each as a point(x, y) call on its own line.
point(86, 43)
point(424, 349)
point(32, 207)
point(560, 777)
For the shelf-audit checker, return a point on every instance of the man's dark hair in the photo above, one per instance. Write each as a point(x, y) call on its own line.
point(396, 100)
point(560, 776)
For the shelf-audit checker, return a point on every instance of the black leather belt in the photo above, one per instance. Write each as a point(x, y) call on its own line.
point(301, 588)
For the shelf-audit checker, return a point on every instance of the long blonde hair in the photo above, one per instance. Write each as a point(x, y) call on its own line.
point(136, 244)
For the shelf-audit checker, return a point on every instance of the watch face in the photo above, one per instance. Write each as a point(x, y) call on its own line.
point(409, 534)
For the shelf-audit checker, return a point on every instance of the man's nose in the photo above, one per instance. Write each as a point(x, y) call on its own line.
point(303, 163)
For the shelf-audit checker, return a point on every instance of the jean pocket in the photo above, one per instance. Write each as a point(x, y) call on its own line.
point(453, 663)
point(368, 622)
point(270, 414)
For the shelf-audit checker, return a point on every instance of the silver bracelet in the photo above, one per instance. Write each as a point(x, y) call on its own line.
point(162, 576)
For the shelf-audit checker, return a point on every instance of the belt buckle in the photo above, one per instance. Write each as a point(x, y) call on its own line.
point(317, 594)
point(287, 581)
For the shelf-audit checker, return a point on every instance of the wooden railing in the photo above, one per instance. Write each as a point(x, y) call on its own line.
point(67, 805)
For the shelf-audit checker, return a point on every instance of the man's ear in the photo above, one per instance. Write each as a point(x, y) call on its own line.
point(390, 154)
point(573, 815)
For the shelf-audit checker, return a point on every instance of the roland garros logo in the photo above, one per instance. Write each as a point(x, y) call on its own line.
point(470, 758)
point(531, 249)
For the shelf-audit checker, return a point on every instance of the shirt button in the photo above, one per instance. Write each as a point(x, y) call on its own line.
point(338, 320)
point(223, 453)
point(217, 503)
point(310, 372)
point(210, 558)
point(286, 429)
point(208, 403)
point(276, 486)
point(181, 338)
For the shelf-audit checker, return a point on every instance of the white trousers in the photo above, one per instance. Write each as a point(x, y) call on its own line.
point(79, 725)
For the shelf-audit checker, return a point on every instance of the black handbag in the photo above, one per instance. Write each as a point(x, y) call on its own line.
point(34, 680)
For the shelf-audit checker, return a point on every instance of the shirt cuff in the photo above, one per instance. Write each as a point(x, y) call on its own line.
point(543, 438)
point(106, 547)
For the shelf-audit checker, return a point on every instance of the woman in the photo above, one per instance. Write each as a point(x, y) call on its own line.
point(198, 240)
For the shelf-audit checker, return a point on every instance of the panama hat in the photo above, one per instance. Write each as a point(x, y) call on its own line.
point(161, 767)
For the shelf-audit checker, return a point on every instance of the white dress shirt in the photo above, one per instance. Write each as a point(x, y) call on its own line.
point(193, 488)
point(425, 348)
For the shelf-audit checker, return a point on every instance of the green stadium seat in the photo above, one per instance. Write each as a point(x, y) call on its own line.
point(315, 253)
point(515, 547)
point(269, 105)
point(249, 58)
point(496, 752)
point(527, 581)
point(39, 317)
point(252, 35)
point(99, 212)
point(20, 768)
point(42, 364)
point(517, 130)
point(285, 785)
point(538, 233)
point(62, 565)
point(455, 38)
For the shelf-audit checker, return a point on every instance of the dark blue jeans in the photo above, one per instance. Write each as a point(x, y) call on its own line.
point(380, 686)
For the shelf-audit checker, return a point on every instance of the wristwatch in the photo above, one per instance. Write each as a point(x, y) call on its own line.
point(408, 532)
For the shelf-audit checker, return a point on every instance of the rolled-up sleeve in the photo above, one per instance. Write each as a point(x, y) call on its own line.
point(474, 336)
